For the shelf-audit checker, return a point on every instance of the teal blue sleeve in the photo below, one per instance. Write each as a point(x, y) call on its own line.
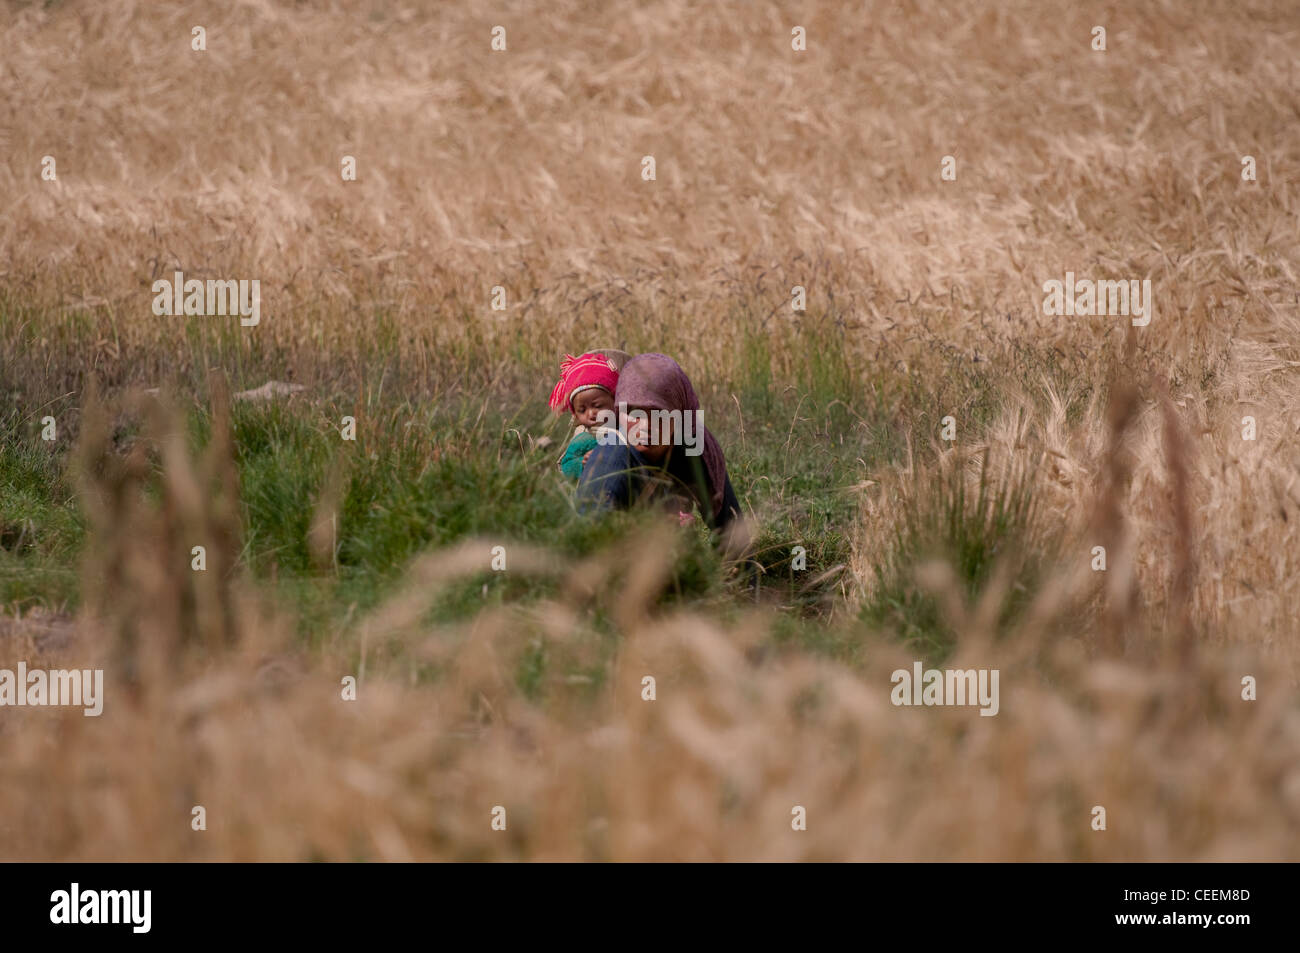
point(571, 465)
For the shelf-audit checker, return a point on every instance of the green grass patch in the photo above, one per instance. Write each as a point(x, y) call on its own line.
point(971, 530)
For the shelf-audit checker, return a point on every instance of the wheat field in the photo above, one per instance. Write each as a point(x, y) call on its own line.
point(523, 169)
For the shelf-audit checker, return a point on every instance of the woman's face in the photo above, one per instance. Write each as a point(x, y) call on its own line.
point(640, 434)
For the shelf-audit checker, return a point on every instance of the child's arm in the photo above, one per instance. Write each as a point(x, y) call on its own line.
point(573, 459)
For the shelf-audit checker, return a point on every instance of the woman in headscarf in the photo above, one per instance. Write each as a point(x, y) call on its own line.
point(670, 457)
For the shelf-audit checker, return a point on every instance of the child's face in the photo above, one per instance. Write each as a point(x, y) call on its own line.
point(588, 404)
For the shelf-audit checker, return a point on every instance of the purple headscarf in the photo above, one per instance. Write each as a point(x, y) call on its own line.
point(656, 382)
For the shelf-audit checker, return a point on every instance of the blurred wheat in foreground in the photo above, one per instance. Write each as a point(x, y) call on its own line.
point(209, 705)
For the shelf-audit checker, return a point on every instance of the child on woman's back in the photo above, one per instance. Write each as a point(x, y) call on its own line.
point(586, 390)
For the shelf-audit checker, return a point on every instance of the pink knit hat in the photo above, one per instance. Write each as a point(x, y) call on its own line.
point(580, 373)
